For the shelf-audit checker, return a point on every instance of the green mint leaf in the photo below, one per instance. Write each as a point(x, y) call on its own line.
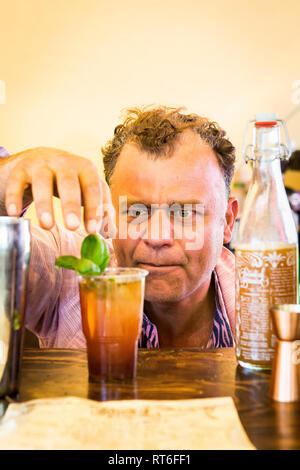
point(104, 263)
point(95, 249)
point(86, 266)
point(68, 262)
point(94, 257)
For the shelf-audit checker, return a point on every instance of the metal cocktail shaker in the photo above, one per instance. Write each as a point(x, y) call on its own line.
point(14, 262)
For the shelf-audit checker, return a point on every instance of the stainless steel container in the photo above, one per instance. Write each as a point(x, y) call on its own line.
point(14, 262)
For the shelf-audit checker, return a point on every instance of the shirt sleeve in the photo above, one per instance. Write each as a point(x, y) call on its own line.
point(46, 286)
point(3, 152)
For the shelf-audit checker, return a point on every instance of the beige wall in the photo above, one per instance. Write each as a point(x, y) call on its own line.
point(70, 66)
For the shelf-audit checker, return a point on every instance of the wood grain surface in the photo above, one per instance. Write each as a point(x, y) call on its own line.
point(170, 374)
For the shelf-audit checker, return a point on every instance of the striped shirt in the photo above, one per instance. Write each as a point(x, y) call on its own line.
point(53, 305)
point(221, 334)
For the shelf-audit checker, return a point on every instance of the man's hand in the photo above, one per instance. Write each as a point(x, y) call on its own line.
point(72, 178)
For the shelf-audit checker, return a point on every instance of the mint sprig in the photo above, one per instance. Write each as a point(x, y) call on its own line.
point(94, 257)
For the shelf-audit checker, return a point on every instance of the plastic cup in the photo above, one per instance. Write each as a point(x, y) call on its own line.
point(111, 311)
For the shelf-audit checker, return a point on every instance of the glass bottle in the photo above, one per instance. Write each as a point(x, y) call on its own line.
point(266, 247)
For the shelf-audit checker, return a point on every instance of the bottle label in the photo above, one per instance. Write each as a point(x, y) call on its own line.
point(263, 278)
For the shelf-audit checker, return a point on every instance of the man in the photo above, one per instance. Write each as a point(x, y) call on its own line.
point(158, 159)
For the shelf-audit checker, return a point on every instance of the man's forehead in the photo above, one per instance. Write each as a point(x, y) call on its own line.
point(188, 146)
point(187, 174)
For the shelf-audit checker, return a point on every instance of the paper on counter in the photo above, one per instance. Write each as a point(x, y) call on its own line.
point(78, 423)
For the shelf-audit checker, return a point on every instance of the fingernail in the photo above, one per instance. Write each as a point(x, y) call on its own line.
point(109, 230)
point(72, 221)
point(12, 209)
point(92, 226)
point(46, 219)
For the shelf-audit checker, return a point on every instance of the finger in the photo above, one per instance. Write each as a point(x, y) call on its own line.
point(70, 197)
point(108, 227)
point(92, 194)
point(14, 191)
point(42, 192)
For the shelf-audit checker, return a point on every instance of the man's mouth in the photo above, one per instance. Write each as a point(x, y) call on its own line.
point(157, 267)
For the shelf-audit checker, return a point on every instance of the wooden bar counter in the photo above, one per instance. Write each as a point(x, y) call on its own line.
point(170, 374)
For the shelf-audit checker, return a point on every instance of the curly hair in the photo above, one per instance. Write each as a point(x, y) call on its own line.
point(156, 130)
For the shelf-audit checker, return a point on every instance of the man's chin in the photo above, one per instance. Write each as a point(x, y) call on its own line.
point(162, 294)
point(167, 288)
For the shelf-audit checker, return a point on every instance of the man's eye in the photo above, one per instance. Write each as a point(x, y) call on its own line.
point(136, 212)
point(184, 214)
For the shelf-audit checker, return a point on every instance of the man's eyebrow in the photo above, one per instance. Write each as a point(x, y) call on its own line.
point(192, 202)
point(130, 202)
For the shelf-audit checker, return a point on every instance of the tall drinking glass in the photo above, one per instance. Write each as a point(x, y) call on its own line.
point(111, 311)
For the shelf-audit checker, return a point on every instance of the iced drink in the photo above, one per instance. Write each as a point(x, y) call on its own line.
point(111, 311)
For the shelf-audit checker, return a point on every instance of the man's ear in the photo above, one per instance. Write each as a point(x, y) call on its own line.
point(230, 216)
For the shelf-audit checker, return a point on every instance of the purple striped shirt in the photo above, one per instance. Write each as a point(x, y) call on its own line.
point(221, 335)
point(3, 152)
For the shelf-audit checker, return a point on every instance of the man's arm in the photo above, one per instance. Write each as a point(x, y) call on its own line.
point(52, 300)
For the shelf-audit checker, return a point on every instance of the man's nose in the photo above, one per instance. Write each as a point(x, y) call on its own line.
point(160, 229)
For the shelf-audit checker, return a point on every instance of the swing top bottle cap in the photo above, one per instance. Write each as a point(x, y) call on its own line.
point(266, 119)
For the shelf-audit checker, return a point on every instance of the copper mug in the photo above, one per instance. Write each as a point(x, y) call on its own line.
point(285, 376)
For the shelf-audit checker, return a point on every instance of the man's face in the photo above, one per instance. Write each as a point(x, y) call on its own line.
point(191, 175)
